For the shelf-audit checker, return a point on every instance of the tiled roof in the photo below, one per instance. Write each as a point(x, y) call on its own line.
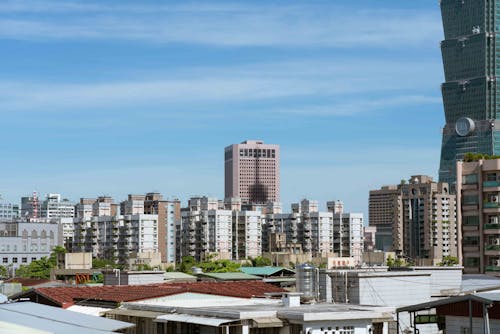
point(67, 296)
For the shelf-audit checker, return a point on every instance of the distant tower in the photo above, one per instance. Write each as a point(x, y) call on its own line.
point(35, 204)
point(252, 172)
point(470, 94)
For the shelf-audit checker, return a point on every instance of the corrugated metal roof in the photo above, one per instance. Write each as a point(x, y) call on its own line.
point(57, 320)
point(178, 275)
point(193, 319)
point(9, 328)
point(231, 276)
point(135, 313)
point(90, 310)
point(482, 297)
point(265, 271)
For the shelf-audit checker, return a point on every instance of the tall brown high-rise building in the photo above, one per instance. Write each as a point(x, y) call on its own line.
point(252, 171)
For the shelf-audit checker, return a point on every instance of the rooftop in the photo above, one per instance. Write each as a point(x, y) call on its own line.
point(67, 296)
point(267, 271)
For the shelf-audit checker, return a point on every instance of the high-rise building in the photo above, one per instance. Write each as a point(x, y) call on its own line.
point(384, 213)
point(470, 56)
point(421, 216)
point(252, 172)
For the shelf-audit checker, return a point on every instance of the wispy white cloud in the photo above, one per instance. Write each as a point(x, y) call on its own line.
point(318, 25)
point(319, 80)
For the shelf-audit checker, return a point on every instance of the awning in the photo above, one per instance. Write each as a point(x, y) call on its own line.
point(267, 322)
point(194, 319)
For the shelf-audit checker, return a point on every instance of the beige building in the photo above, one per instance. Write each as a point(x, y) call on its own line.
point(252, 172)
point(478, 192)
point(421, 217)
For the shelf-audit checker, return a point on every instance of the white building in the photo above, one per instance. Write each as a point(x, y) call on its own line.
point(109, 235)
point(23, 242)
point(205, 230)
point(54, 207)
point(8, 211)
point(247, 233)
point(348, 235)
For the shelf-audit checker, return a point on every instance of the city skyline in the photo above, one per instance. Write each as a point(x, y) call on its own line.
point(115, 98)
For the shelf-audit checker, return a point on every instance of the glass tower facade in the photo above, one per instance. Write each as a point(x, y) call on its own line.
point(470, 52)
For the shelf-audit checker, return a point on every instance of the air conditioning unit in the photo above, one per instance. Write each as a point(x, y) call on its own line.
point(496, 241)
point(497, 262)
point(494, 199)
point(494, 220)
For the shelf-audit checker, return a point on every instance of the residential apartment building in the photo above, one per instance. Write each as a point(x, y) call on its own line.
point(305, 228)
point(204, 230)
point(421, 214)
point(478, 215)
point(22, 242)
point(247, 234)
point(169, 215)
point(348, 238)
point(54, 207)
point(111, 235)
point(252, 172)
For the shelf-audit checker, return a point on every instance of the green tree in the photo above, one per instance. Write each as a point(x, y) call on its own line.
point(448, 261)
point(4, 272)
point(390, 261)
point(261, 261)
point(187, 263)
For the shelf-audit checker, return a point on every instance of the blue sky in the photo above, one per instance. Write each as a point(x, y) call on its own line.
point(118, 97)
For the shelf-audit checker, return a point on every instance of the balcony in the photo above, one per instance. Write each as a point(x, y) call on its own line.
point(491, 226)
point(493, 268)
point(487, 184)
point(492, 247)
point(491, 205)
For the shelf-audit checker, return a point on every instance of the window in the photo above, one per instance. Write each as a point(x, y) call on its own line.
point(14, 260)
point(24, 260)
point(33, 259)
point(5, 260)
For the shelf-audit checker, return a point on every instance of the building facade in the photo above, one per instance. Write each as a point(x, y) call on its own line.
point(384, 211)
point(24, 242)
point(252, 172)
point(470, 92)
point(107, 234)
point(8, 211)
point(421, 215)
point(205, 230)
point(55, 207)
point(348, 235)
point(478, 195)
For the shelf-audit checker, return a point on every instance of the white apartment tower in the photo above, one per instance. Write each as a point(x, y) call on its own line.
point(252, 172)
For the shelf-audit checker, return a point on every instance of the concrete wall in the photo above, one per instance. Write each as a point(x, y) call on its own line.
point(134, 278)
point(78, 261)
point(454, 324)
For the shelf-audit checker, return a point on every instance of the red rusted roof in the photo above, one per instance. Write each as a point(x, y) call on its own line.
point(66, 296)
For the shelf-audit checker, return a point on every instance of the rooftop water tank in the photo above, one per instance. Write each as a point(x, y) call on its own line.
point(306, 281)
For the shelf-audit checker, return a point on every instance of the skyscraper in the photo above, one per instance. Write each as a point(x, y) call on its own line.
point(252, 172)
point(470, 52)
